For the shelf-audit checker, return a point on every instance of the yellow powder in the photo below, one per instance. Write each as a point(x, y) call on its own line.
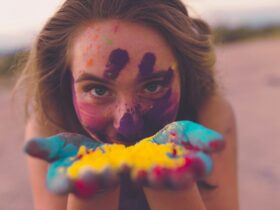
point(142, 156)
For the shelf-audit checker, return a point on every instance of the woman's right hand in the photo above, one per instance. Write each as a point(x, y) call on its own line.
point(60, 151)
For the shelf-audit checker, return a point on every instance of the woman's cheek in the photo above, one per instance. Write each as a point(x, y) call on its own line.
point(92, 117)
point(162, 111)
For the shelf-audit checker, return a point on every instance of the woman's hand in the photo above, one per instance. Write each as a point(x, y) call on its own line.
point(201, 142)
point(60, 151)
point(191, 135)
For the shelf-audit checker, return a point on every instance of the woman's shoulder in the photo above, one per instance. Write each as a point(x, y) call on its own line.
point(217, 113)
point(39, 127)
point(37, 169)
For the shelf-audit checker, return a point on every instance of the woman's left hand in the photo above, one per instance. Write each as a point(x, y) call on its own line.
point(201, 142)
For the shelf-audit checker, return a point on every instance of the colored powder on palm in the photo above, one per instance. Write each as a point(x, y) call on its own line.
point(143, 156)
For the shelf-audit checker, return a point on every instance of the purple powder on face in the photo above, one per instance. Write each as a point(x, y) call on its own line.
point(158, 116)
point(129, 127)
point(168, 77)
point(146, 67)
point(118, 59)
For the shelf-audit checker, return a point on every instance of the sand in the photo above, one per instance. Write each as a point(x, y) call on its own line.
point(250, 75)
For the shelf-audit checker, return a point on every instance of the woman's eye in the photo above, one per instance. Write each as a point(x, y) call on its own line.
point(153, 87)
point(100, 91)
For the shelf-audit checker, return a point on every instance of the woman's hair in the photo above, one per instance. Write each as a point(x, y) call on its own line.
point(47, 74)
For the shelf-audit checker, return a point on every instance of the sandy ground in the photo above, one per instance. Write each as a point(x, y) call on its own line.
point(250, 73)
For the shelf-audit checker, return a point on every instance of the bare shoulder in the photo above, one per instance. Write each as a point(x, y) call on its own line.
point(37, 169)
point(217, 114)
point(39, 128)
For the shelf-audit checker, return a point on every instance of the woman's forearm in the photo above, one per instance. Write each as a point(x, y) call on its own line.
point(189, 199)
point(108, 200)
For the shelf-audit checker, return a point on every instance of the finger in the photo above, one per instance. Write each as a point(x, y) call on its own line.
point(180, 178)
point(45, 148)
point(57, 180)
point(158, 177)
point(199, 164)
point(90, 183)
point(57, 147)
point(191, 135)
point(78, 140)
point(86, 185)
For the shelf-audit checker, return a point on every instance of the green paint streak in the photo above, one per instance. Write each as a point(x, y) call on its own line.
point(108, 41)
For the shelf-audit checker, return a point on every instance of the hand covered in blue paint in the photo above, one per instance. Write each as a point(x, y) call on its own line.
point(199, 140)
point(60, 151)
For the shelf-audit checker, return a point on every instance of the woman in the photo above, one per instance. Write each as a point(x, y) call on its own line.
point(119, 71)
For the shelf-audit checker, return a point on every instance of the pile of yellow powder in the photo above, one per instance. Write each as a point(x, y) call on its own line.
point(143, 156)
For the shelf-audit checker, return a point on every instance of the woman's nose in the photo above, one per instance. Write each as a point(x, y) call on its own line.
point(128, 121)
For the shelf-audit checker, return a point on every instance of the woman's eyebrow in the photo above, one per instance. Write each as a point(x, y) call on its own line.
point(154, 75)
point(90, 77)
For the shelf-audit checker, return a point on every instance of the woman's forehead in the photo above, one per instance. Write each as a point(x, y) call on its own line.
point(112, 48)
point(98, 40)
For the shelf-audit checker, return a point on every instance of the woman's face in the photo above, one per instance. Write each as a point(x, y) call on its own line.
point(125, 82)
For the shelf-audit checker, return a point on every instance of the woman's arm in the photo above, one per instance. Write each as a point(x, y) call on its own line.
point(108, 200)
point(189, 199)
point(218, 115)
point(42, 199)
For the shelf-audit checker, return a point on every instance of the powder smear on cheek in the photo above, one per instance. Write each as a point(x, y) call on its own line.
point(163, 109)
point(91, 116)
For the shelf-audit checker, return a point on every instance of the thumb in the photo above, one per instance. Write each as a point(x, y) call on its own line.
point(59, 146)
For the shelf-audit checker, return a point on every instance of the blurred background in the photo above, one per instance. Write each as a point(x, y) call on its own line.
point(247, 38)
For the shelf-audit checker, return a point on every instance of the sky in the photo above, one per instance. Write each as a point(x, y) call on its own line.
point(21, 20)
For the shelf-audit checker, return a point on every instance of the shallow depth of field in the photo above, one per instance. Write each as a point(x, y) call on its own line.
point(249, 73)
